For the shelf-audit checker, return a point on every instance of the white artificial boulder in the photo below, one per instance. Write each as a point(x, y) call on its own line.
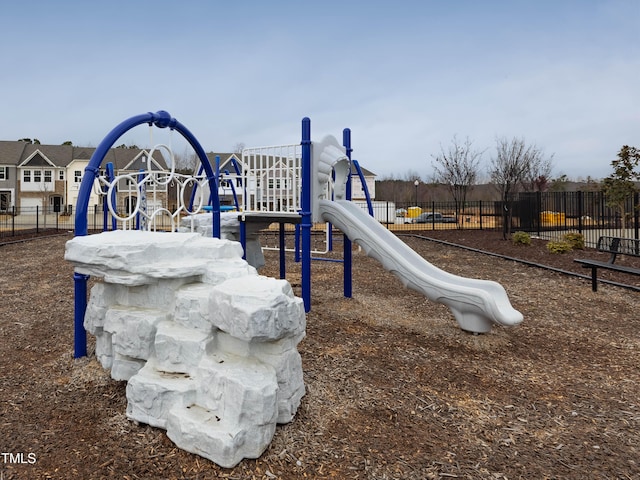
point(203, 432)
point(192, 306)
point(208, 347)
point(133, 330)
point(124, 367)
point(229, 230)
point(179, 349)
point(257, 308)
point(104, 348)
point(133, 257)
point(152, 393)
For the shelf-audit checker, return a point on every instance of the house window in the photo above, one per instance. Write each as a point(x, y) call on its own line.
point(77, 176)
point(47, 176)
point(60, 174)
point(37, 176)
point(4, 173)
point(26, 176)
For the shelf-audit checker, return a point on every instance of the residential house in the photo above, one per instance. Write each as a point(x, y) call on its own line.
point(357, 191)
point(48, 176)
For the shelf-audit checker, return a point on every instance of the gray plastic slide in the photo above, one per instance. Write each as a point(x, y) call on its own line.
point(476, 304)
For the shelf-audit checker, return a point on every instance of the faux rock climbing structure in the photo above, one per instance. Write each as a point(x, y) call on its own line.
point(208, 347)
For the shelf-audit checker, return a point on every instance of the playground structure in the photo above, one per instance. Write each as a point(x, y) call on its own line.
point(208, 347)
point(310, 183)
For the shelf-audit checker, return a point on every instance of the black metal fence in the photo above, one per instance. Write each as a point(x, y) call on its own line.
point(25, 221)
point(543, 214)
point(17, 222)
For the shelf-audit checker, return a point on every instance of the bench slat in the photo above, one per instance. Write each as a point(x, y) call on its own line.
point(620, 268)
point(615, 246)
point(618, 245)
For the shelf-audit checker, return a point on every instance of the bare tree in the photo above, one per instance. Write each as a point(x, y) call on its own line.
point(411, 176)
point(238, 147)
point(508, 171)
point(187, 162)
point(458, 169)
point(43, 187)
point(538, 174)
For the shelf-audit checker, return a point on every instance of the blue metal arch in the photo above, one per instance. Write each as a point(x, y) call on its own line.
point(160, 119)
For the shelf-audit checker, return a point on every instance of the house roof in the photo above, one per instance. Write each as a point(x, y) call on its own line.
point(11, 152)
point(225, 159)
point(365, 172)
point(16, 153)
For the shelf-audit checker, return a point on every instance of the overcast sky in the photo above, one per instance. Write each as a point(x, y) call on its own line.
point(405, 76)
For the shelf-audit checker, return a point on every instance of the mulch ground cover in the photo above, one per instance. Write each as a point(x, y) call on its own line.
point(395, 390)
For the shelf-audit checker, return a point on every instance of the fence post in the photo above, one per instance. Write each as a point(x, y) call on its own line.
point(636, 215)
point(538, 211)
point(13, 221)
point(480, 213)
point(37, 219)
point(564, 209)
point(580, 210)
point(433, 214)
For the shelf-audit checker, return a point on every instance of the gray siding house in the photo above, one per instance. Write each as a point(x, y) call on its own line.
point(48, 176)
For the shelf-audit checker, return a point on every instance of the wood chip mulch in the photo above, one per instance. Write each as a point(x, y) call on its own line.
point(395, 390)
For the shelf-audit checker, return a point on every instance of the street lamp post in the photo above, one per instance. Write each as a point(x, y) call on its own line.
point(416, 183)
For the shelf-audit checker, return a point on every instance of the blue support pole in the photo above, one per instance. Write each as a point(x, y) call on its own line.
point(233, 191)
point(217, 174)
point(243, 238)
point(80, 305)
point(348, 257)
point(160, 119)
point(111, 176)
point(105, 213)
point(238, 171)
point(140, 224)
point(306, 214)
point(281, 244)
point(215, 204)
point(330, 235)
point(297, 243)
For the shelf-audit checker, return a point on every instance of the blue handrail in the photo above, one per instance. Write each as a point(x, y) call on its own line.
point(364, 186)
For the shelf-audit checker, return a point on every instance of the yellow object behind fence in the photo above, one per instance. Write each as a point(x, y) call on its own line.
point(413, 212)
point(553, 218)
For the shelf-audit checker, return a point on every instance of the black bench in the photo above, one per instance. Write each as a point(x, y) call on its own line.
point(614, 246)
